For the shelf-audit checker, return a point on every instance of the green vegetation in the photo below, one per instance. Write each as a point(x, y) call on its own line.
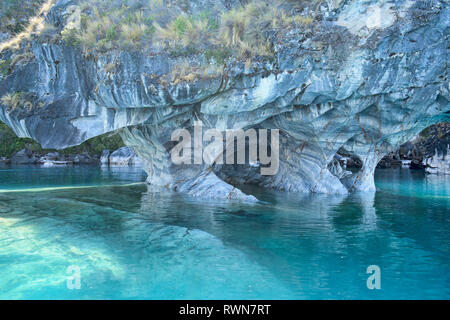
point(71, 38)
point(97, 26)
point(14, 14)
point(187, 33)
point(246, 28)
point(104, 25)
point(95, 146)
point(243, 32)
point(218, 55)
point(10, 144)
point(28, 19)
point(5, 67)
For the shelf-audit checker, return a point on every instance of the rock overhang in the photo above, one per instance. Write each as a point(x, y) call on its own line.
point(366, 90)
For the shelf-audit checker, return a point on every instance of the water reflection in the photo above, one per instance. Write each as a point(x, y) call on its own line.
point(142, 242)
point(318, 241)
point(29, 177)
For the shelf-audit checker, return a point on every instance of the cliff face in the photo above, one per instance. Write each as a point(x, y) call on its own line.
point(364, 77)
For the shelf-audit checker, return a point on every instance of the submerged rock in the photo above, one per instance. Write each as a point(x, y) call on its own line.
point(55, 163)
point(362, 79)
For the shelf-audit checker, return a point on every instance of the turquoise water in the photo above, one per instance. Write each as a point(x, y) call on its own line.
point(130, 241)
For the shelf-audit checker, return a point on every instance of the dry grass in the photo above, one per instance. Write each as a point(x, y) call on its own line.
point(185, 31)
point(35, 26)
point(22, 58)
point(49, 33)
point(246, 28)
point(185, 72)
point(105, 25)
point(110, 67)
point(243, 30)
point(19, 100)
point(12, 100)
point(105, 30)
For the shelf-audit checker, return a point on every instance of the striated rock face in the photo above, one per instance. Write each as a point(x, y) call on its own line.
point(364, 79)
point(434, 139)
point(434, 148)
point(439, 163)
point(124, 156)
point(104, 158)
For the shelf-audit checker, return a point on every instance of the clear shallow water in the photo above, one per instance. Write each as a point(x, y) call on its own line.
point(136, 242)
point(29, 178)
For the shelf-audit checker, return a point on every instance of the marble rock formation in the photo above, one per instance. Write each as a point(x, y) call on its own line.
point(124, 156)
point(439, 163)
point(367, 78)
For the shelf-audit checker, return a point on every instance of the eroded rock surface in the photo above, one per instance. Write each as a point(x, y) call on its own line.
point(124, 156)
point(439, 163)
point(364, 79)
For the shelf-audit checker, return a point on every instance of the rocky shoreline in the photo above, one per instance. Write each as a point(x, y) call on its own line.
point(122, 157)
point(428, 152)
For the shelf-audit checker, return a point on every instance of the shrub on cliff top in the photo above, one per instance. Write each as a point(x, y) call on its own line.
point(244, 32)
point(163, 24)
point(34, 25)
point(13, 100)
point(14, 14)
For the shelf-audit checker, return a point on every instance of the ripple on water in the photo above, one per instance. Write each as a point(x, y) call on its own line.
point(137, 242)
